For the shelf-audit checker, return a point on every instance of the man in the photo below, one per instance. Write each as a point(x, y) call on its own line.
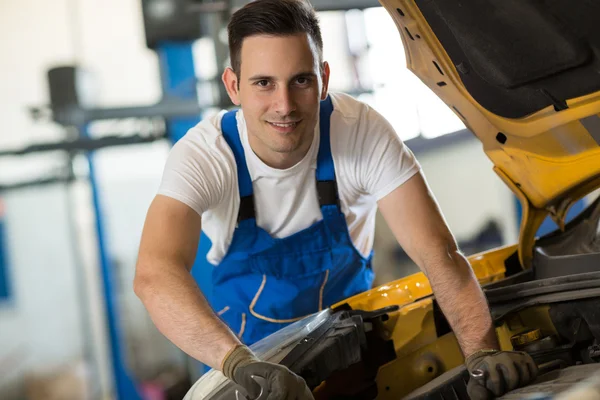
point(286, 189)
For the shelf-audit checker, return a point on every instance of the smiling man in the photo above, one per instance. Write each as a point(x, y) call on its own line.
point(286, 189)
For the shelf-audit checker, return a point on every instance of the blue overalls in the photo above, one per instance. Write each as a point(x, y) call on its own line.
point(265, 283)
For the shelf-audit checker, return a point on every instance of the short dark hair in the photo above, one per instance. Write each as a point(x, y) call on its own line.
point(271, 17)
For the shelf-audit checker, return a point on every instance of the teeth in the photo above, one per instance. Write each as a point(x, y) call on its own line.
point(284, 125)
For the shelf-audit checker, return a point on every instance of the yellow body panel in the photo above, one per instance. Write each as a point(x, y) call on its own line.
point(488, 267)
point(421, 355)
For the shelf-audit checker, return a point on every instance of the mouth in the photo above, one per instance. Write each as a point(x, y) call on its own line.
point(284, 127)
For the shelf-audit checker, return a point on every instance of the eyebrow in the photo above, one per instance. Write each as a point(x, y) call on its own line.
point(267, 77)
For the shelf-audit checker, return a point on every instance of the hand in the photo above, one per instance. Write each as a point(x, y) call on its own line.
point(502, 371)
point(241, 365)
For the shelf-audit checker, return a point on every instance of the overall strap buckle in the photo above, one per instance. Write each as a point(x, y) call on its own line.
point(327, 188)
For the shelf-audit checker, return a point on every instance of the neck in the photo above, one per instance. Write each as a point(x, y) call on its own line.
point(279, 160)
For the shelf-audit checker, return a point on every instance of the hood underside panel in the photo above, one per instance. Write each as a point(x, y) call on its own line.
point(516, 57)
point(524, 77)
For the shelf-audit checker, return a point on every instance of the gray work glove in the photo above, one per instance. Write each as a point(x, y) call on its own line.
point(240, 365)
point(499, 372)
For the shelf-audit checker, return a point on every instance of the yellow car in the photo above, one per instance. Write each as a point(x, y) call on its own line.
point(524, 77)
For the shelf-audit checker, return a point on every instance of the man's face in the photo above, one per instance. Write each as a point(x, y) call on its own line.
point(280, 86)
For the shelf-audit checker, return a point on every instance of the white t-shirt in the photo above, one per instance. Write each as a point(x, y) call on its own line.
point(370, 162)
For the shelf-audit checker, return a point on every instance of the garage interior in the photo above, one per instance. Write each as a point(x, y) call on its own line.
point(93, 98)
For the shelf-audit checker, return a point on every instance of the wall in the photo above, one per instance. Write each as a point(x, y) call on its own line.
point(40, 325)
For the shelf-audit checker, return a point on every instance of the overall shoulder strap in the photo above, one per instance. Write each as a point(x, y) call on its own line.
point(326, 183)
point(232, 137)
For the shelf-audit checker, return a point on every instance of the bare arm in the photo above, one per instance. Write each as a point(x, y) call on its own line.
point(164, 284)
point(417, 222)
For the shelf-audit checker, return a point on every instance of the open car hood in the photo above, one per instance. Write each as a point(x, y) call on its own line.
point(524, 77)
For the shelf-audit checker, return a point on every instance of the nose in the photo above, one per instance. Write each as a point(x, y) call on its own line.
point(284, 101)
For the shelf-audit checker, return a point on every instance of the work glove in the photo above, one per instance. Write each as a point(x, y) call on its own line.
point(494, 373)
point(241, 365)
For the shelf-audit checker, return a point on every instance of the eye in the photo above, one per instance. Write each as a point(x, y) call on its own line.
point(262, 83)
point(303, 80)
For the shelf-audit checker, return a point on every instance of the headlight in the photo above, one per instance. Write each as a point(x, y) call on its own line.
point(273, 348)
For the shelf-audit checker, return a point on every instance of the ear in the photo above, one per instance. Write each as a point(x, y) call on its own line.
point(231, 85)
point(325, 78)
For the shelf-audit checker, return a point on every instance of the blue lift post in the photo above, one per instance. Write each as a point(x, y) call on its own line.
point(178, 79)
point(125, 387)
point(4, 273)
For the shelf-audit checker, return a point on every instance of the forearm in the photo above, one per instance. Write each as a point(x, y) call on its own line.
point(181, 313)
point(417, 222)
point(462, 301)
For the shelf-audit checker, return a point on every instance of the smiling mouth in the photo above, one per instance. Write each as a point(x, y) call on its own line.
point(285, 124)
point(284, 127)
